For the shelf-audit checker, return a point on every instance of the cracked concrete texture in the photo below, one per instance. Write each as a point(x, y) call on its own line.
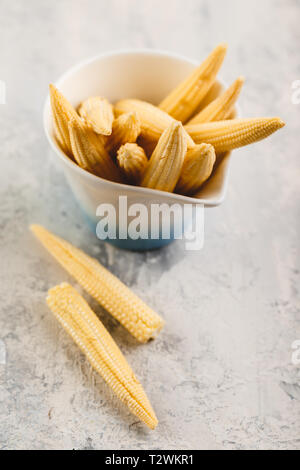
point(220, 375)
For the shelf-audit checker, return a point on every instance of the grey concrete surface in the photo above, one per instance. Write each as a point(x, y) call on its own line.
point(221, 374)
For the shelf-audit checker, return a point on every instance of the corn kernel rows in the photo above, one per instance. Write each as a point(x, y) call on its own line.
point(97, 142)
point(95, 342)
point(139, 319)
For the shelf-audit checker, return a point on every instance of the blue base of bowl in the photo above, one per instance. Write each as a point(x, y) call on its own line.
point(140, 244)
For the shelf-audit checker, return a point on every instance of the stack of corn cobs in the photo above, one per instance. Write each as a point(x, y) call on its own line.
point(174, 146)
point(86, 329)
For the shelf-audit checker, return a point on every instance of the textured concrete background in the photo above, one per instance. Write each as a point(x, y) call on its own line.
point(221, 373)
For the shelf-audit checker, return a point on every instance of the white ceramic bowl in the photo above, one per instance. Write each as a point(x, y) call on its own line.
point(143, 74)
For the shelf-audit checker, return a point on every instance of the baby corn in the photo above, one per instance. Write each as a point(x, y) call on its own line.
point(184, 100)
point(98, 113)
point(153, 120)
point(89, 153)
point(62, 112)
point(228, 135)
point(139, 319)
point(133, 161)
point(197, 168)
point(85, 328)
point(125, 128)
point(215, 90)
point(166, 162)
point(221, 107)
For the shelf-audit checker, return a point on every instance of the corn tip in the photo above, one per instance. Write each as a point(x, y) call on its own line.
point(279, 122)
point(153, 424)
point(35, 228)
point(223, 46)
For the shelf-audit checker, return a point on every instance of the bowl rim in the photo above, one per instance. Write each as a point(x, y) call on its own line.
point(95, 179)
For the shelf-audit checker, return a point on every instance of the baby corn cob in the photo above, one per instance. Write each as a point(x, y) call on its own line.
point(221, 107)
point(139, 319)
point(125, 128)
point(166, 162)
point(153, 120)
point(232, 115)
point(89, 153)
point(197, 168)
point(228, 135)
point(215, 90)
point(133, 161)
point(76, 317)
point(62, 112)
point(98, 113)
point(183, 101)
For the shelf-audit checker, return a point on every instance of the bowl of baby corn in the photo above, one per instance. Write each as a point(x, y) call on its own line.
point(158, 129)
point(152, 126)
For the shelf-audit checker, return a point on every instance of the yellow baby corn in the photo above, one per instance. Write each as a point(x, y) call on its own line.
point(215, 90)
point(166, 162)
point(98, 113)
point(221, 107)
point(59, 136)
point(232, 115)
point(89, 153)
point(126, 128)
point(228, 135)
point(139, 319)
point(197, 168)
point(153, 120)
point(184, 100)
point(62, 112)
point(133, 161)
point(85, 328)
